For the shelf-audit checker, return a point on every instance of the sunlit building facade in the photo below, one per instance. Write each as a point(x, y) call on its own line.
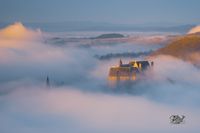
point(127, 72)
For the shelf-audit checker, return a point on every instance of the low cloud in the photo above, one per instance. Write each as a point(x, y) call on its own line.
point(33, 58)
point(89, 112)
point(79, 99)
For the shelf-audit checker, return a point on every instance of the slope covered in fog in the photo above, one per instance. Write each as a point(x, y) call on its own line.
point(186, 48)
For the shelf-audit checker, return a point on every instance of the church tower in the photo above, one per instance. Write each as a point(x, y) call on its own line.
point(47, 82)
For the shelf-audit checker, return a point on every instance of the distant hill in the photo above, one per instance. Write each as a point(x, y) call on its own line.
point(185, 47)
point(111, 35)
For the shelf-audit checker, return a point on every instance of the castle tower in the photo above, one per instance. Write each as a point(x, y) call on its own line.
point(135, 64)
point(140, 66)
point(120, 63)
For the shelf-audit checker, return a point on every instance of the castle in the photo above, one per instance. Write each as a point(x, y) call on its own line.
point(127, 72)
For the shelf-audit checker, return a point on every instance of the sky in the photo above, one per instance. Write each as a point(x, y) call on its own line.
point(110, 11)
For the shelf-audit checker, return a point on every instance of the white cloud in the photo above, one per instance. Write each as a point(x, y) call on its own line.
point(98, 112)
point(194, 30)
point(26, 105)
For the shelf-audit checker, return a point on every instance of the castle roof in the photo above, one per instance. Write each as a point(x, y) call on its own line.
point(144, 64)
point(129, 69)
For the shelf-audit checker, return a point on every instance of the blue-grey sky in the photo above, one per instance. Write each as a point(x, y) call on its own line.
point(111, 11)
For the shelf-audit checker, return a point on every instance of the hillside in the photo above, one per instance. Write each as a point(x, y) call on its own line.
point(186, 48)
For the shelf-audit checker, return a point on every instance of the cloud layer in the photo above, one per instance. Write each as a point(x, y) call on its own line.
point(79, 99)
point(68, 110)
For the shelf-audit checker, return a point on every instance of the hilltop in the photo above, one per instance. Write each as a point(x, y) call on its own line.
point(110, 35)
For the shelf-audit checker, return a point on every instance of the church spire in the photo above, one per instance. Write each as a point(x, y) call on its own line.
point(47, 82)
